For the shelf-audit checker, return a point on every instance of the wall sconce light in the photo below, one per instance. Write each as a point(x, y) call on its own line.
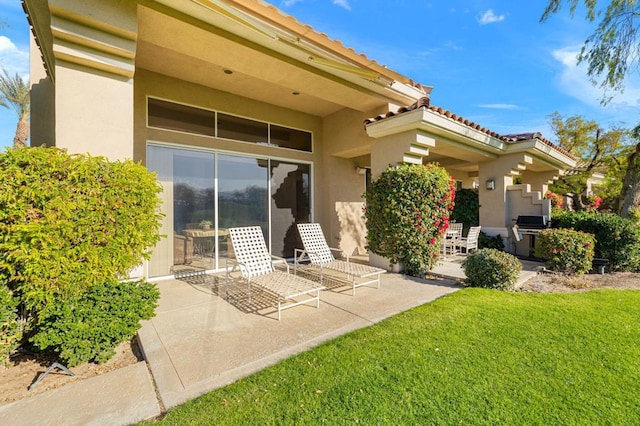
point(491, 184)
point(361, 170)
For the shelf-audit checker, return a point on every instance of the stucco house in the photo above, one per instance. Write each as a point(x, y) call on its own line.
point(250, 117)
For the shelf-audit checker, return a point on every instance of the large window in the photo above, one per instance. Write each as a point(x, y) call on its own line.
point(171, 116)
point(205, 193)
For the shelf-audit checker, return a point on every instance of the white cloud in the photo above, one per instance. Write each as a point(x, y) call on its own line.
point(12, 58)
point(574, 81)
point(499, 106)
point(287, 3)
point(489, 17)
point(343, 4)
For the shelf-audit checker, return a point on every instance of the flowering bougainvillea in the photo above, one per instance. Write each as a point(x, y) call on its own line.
point(593, 203)
point(557, 200)
point(407, 213)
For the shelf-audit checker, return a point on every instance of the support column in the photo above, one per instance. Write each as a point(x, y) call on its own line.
point(94, 44)
point(493, 202)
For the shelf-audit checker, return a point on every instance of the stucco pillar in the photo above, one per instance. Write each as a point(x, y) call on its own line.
point(93, 47)
point(493, 202)
point(540, 181)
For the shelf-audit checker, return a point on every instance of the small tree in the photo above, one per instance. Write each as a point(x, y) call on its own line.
point(407, 213)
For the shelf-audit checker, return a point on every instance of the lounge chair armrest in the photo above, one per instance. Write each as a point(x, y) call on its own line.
point(277, 260)
point(237, 266)
point(342, 252)
point(300, 255)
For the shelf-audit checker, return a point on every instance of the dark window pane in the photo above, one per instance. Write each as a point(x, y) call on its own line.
point(290, 138)
point(171, 116)
point(242, 129)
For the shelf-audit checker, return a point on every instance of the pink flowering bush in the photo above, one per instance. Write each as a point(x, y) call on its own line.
point(566, 250)
point(407, 214)
point(557, 200)
point(593, 203)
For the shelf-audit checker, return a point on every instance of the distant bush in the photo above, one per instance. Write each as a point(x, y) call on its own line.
point(495, 242)
point(491, 268)
point(617, 239)
point(10, 330)
point(467, 208)
point(89, 328)
point(566, 250)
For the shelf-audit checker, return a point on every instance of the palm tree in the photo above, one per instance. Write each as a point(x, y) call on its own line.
point(14, 94)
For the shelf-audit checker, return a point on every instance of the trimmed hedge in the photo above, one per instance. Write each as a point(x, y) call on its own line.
point(467, 208)
point(491, 268)
point(566, 250)
point(90, 327)
point(617, 238)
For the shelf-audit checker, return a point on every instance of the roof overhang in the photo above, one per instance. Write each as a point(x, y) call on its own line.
point(462, 145)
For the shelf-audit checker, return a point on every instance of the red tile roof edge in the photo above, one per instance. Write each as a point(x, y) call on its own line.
point(512, 138)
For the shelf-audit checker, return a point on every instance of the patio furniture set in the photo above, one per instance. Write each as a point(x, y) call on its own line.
point(258, 268)
point(454, 242)
point(254, 264)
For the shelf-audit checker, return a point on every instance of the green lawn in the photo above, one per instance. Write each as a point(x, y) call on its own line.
point(473, 357)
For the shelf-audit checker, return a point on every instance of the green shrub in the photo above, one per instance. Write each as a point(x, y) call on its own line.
point(467, 208)
point(69, 222)
point(407, 213)
point(495, 242)
point(10, 330)
point(617, 239)
point(89, 328)
point(566, 250)
point(491, 268)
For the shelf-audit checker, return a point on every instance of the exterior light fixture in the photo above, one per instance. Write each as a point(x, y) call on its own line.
point(228, 71)
point(491, 184)
point(361, 170)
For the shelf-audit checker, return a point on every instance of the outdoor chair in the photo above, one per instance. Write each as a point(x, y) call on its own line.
point(452, 238)
point(256, 265)
point(470, 242)
point(320, 260)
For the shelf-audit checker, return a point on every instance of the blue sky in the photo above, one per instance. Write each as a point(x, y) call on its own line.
point(490, 61)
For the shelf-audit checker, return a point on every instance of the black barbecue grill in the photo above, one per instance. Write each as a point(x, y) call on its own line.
point(530, 225)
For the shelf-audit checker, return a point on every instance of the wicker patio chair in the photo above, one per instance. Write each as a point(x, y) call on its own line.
point(256, 265)
point(320, 259)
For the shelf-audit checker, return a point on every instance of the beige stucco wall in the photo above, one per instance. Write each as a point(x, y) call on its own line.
point(346, 147)
point(94, 112)
point(42, 114)
point(149, 84)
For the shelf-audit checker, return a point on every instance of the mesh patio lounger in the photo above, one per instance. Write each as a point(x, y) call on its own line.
point(256, 266)
point(319, 254)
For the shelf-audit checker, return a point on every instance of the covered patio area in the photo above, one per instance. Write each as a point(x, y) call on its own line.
point(202, 339)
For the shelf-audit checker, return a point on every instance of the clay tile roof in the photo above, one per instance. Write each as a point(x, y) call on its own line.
point(424, 102)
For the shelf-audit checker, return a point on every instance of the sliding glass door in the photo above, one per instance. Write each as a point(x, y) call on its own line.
point(205, 193)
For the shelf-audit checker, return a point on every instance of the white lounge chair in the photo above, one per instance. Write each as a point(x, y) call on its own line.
point(256, 265)
point(470, 242)
point(320, 257)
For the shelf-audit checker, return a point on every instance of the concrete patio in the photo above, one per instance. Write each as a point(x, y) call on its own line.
point(202, 339)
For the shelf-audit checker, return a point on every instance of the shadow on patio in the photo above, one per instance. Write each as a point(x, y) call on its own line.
point(200, 339)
